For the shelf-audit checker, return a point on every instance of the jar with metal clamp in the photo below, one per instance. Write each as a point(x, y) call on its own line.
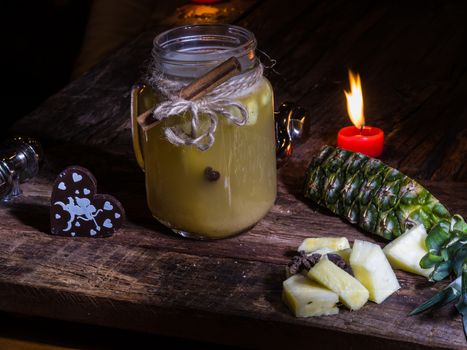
point(224, 188)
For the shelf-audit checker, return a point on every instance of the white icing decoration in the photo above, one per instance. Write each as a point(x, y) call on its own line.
point(82, 209)
point(107, 223)
point(73, 234)
point(92, 233)
point(86, 191)
point(61, 186)
point(108, 206)
point(57, 216)
point(117, 215)
point(77, 192)
point(77, 224)
point(76, 177)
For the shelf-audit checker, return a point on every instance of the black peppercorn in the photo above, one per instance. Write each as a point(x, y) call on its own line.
point(211, 175)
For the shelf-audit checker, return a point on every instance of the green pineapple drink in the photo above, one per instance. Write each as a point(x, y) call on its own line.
point(178, 192)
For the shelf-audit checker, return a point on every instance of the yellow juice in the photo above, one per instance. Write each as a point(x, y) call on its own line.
point(181, 197)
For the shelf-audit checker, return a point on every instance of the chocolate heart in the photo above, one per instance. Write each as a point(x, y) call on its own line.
point(76, 210)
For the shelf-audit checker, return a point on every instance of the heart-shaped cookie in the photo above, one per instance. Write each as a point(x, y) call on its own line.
point(76, 210)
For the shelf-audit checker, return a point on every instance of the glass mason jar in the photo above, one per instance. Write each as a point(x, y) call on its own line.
point(229, 187)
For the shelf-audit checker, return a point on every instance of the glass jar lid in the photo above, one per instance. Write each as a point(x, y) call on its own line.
point(190, 51)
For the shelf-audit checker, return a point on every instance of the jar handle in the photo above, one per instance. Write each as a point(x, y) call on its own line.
point(135, 129)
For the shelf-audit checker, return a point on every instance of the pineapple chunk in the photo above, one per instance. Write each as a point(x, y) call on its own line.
point(345, 254)
point(406, 251)
point(333, 243)
point(322, 251)
point(373, 270)
point(306, 298)
point(350, 291)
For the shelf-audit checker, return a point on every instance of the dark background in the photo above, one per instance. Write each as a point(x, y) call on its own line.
point(41, 41)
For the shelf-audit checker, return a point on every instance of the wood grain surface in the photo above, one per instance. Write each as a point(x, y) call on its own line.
point(413, 66)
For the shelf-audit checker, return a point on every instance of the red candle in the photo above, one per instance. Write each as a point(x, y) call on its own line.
point(368, 140)
point(359, 138)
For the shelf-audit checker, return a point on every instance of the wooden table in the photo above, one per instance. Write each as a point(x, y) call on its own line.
point(413, 66)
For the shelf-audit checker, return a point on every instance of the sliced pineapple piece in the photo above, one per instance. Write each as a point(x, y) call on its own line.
point(310, 245)
point(371, 267)
point(406, 251)
point(350, 291)
point(322, 251)
point(306, 298)
point(345, 254)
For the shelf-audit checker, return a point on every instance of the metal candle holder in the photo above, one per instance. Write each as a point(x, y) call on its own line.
point(20, 158)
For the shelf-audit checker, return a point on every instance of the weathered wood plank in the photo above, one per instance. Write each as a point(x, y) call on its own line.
point(145, 265)
point(239, 277)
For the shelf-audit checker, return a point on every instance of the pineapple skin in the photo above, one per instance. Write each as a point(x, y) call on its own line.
point(306, 298)
point(365, 191)
point(313, 244)
point(406, 251)
point(350, 291)
point(372, 269)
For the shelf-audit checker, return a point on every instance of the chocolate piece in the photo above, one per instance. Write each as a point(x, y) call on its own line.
point(77, 211)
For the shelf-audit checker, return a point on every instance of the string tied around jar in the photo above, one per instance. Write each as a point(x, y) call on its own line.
point(209, 97)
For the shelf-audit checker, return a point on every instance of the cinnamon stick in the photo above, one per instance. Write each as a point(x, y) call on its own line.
point(197, 89)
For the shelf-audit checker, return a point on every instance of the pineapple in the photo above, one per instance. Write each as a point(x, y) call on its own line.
point(406, 251)
point(321, 251)
point(373, 270)
point(306, 298)
point(345, 254)
point(310, 245)
point(350, 291)
point(376, 197)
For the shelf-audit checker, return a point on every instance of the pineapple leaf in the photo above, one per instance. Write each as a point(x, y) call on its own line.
point(438, 236)
point(441, 271)
point(443, 297)
point(430, 260)
point(445, 254)
point(461, 306)
point(458, 224)
point(453, 246)
point(459, 260)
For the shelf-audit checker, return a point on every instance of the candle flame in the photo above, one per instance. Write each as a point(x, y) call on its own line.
point(355, 100)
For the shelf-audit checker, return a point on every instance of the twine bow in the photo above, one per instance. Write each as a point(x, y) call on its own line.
point(211, 107)
point(218, 102)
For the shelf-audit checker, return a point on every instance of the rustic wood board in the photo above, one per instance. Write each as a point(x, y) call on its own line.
point(228, 291)
point(141, 275)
